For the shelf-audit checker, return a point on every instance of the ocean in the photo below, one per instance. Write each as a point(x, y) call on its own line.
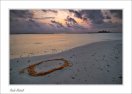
point(26, 45)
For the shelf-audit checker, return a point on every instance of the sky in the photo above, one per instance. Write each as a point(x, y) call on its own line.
point(64, 21)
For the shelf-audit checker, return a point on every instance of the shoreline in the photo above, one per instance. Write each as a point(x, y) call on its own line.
point(95, 63)
point(33, 45)
point(41, 55)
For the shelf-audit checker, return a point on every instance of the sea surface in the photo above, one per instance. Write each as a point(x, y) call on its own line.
point(26, 45)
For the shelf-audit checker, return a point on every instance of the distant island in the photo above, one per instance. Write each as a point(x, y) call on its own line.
point(103, 31)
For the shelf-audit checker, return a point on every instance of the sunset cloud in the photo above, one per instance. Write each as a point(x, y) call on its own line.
point(65, 20)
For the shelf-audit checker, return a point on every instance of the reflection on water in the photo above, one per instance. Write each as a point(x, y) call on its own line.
point(23, 45)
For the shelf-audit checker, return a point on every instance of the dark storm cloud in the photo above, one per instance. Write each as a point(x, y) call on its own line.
point(76, 13)
point(70, 21)
point(94, 15)
point(108, 25)
point(117, 13)
point(57, 24)
point(77, 26)
point(107, 17)
point(49, 10)
point(25, 26)
point(22, 21)
point(20, 13)
point(100, 20)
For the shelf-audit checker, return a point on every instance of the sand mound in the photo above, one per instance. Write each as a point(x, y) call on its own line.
point(45, 67)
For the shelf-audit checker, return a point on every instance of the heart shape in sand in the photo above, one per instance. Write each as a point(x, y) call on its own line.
point(46, 67)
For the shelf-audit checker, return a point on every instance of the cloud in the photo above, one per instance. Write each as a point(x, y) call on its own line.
point(94, 15)
point(115, 16)
point(22, 25)
point(76, 13)
point(20, 13)
point(99, 16)
point(117, 13)
point(57, 24)
point(49, 10)
point(45, 18)
point(70, 21)
point(22, 21)
point(102, 19)
point(56, 21)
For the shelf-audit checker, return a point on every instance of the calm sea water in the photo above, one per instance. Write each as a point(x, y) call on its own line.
point(23, 45)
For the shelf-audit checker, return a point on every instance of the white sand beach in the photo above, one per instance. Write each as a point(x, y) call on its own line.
point(94, 63)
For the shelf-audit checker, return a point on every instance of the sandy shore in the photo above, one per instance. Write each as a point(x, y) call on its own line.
point(96, 63)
